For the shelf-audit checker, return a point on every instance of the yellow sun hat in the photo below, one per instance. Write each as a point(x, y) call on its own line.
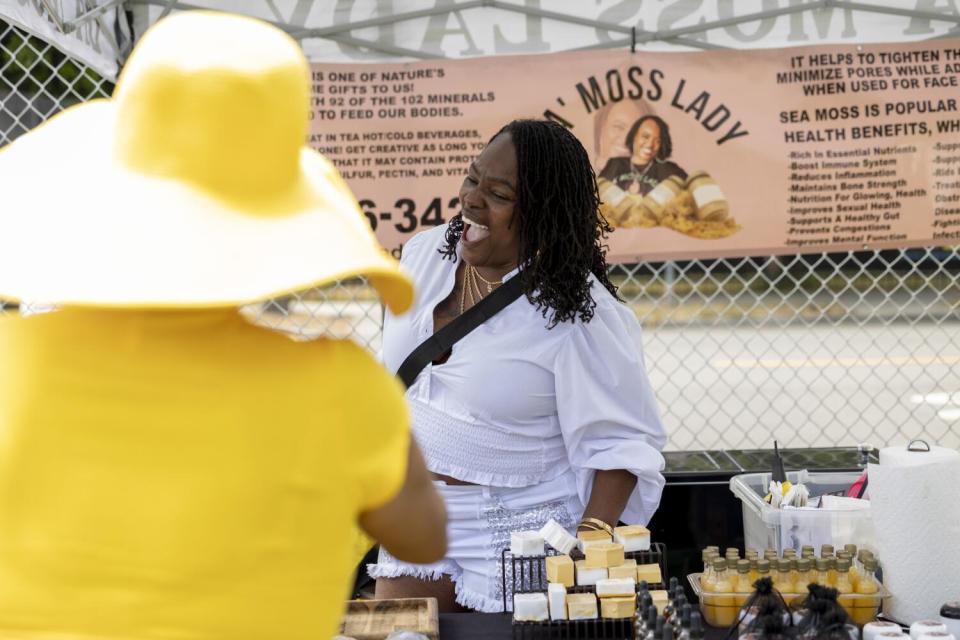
point(190, 187)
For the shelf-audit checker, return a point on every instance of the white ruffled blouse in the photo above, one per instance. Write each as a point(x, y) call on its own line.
point(517, 404)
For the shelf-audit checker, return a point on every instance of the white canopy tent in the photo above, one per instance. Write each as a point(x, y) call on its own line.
point(99, 32)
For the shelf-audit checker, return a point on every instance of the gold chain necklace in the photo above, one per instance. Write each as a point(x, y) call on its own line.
point(490, 285)
point(470, 285)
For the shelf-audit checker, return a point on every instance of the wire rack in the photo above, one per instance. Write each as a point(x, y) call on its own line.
point(528, 574)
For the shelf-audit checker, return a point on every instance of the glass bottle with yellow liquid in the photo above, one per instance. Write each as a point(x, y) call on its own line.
point(844, 586)
point(868, 589)
point(754, 572)
point(823, 572)
point(832, 571)
point(763, 569)
point(782, 579)
point(744, 585)
point(721, 610)
point(707, 555)
point(805, 575)
point(852, 574)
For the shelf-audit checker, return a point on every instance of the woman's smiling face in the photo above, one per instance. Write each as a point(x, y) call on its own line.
point(646, 144)
point(488, 197)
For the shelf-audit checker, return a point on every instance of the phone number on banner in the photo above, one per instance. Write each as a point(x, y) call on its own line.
point(406, 215)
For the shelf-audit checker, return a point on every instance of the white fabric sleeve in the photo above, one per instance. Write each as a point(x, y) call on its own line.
point(407, 256)
point(607, 409)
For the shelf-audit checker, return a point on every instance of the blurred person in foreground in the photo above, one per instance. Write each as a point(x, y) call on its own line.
point(545, 410)
point(168, 470)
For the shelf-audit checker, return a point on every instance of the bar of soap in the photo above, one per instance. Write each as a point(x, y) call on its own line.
point(581, 606)
point(616, 587)
point(557, 537)
point(589, 538)
point(526, 543)
point(560, 570)
point(624, 607)
point(660, 599)
point(604, 554)
point(557, 597)
point(650, 573)
point(633, 537)
point(627, 570)
point(587, 576)
point(530, 607)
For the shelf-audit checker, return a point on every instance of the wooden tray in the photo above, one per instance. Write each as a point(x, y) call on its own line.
point(376, 619)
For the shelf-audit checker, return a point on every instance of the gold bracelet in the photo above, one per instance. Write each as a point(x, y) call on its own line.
point(597, 525)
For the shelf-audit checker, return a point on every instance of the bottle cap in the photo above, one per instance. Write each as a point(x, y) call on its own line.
point(719, 564)
point(763, 565)
point(804, 564)
point(770, 554)
point(851, 549)
point(750, 554)
point(871, 564)
point(844, 555)
point(743, 566)
point(784, 564)
point(843, 565)
point(712, 548)
point(831, 562)
point(951, 610)
point(806, 548)
point(790, 553)
point(826, 550)
point(823, 564)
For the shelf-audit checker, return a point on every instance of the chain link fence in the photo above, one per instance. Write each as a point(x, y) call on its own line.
point(832, 349)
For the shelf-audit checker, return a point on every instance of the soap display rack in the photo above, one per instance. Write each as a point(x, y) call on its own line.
point(528, 574)
point(599, 628)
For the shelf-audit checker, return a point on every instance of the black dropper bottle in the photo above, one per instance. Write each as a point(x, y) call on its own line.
point(696, 626)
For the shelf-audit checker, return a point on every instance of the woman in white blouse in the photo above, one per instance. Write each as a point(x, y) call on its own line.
point(545, 410)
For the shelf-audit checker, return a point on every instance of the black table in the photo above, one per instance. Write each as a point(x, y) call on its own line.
point(496, 626)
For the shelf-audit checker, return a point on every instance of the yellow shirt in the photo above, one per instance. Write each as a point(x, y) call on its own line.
point(182, 474)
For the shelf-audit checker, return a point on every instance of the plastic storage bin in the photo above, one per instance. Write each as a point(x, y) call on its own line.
point(767, 528)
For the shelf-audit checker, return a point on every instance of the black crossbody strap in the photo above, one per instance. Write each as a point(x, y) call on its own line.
point(443, 340)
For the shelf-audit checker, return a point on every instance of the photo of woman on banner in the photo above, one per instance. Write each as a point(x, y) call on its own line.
point(544, 411)
point(610, 127)
point(647, 189)
point(648, 165)
point(167, 468)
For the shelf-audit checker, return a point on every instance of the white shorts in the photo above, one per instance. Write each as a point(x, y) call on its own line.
point(479, 523)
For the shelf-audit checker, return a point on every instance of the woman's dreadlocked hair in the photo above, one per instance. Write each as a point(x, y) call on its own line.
point(561, 229)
